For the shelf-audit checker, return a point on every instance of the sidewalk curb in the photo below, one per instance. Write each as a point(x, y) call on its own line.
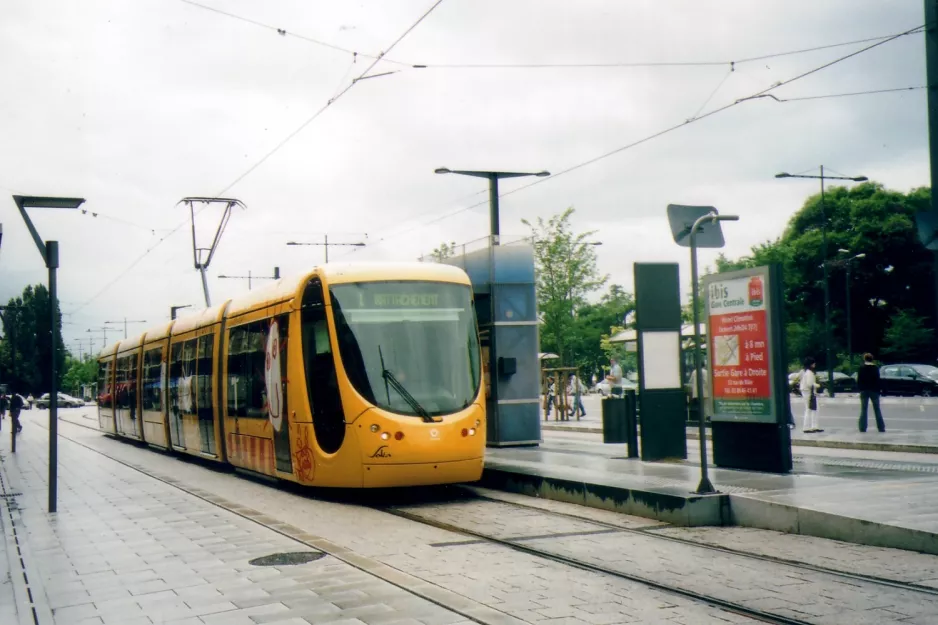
point(857, 445)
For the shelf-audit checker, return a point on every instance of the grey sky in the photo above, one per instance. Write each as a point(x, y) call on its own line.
point(135, 105)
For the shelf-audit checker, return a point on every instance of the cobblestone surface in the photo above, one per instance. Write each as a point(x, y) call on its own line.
point(125, 548)
point(778, 588)
point(524, 587)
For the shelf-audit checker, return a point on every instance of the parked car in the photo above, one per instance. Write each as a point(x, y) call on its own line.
point(604, 387)
point(66, 401)
point(26, 404)
point(903, 379)
point(843, 383)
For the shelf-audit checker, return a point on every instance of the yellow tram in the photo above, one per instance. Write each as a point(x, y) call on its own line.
point(350, 376)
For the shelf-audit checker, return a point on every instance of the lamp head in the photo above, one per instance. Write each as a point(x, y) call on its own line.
point(542, 174)
point(32, 201)
point(860, 179)
point(784, 174)
point(442, 170)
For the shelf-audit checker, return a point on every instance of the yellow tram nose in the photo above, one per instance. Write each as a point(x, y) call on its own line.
point(404, 451)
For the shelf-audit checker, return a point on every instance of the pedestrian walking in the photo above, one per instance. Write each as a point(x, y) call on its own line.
point(16, 405)
point(576, 389)
point(4, 402)
point(809, 393)
point(868, 384)
point(551, 394)
point(702, 406)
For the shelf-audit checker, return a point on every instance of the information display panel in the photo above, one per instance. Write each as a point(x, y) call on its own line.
point(739, 318)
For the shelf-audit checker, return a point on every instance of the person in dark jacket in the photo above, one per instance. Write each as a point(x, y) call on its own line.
point(868, 385)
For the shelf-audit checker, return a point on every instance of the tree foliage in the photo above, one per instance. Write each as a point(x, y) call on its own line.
point(905, 336)
point(595, 322)
point(78, 373)
point(566, 273)
point(26, 350)
point(444, 251)
point(895, 275)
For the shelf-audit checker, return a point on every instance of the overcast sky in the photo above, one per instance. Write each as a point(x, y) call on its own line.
point(137, 104)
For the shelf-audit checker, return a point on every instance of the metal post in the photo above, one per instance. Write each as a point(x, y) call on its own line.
point(125, 328)
point(52, 262)
point(493, 207)
point(208, 300)
point(705, 485)
point(827, 293)
point(326, 246)
point(931, 79)
point(249, 279)
point(849, 322)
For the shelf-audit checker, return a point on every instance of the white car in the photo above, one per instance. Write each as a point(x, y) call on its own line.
point(604, 387)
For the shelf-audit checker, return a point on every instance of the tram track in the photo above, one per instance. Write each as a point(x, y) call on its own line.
point(545, 554)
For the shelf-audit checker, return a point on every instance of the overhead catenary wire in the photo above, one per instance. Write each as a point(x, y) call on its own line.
point(266, 156)
point(760, 94)
point(284, 33)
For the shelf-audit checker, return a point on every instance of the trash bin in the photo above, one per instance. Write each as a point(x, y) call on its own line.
point(631, 422)
point(614, 420)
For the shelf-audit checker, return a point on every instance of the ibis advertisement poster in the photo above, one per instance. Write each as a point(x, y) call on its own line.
point(739, 349)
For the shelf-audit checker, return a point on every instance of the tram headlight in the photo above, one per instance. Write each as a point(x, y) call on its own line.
point(375, 427)
point(385, 436)
point(472, 431)
point(478, 422)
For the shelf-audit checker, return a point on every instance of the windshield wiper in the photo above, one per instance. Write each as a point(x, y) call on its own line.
point(390, 380)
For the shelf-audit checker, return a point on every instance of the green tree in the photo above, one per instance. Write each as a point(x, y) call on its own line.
point(905, 336)
point(27, 344)
point(566, 273)
point(896, 273)
point(78, 373)
point(594, 320)
point(444, 251)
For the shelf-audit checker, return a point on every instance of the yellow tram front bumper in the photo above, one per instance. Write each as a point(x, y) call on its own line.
point(422, 474)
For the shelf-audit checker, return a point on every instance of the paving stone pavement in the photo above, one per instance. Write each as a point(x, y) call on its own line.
point(521, 586)
point(127, 549)
point(780, 588)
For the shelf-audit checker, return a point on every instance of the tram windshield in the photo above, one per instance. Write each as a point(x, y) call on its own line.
point(409, 347)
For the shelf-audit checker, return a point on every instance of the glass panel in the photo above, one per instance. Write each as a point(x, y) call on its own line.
point(409, 347)
point(245, 380)
point(322, 383)
point(152, 380)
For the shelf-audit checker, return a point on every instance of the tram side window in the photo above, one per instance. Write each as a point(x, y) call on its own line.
point(126, 381)
point(205, 369)
point(246, 359)
point(181, 376)
point(104, 383)
point(152, 380)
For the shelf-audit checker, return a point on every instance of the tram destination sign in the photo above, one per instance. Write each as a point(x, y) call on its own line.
point(741, 350)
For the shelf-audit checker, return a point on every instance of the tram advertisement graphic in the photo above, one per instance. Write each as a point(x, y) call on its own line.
point(272, 377)
point(739, 349)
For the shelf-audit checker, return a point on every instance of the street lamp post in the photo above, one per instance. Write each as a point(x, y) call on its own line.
point(326, 244)
point(492, 177)
point(827, 292)
point(50, 253)
point(173, 309)
point(705, 486)
point(848, 263)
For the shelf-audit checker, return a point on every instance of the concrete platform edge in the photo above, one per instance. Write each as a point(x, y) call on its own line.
point(859, 446)
point(749, 512)
point(689, 511)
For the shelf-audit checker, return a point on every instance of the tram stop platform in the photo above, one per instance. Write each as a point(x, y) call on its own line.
point(877, 498)
point(129, 548)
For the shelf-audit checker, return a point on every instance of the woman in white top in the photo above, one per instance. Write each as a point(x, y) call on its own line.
point(809, 393)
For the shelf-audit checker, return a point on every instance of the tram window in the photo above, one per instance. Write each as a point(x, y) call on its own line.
point(127, 382)
point(181, 375)
point(246, 359)
point(104, 383)
point(205, 370)
point(152, 380)
point(321, 381)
